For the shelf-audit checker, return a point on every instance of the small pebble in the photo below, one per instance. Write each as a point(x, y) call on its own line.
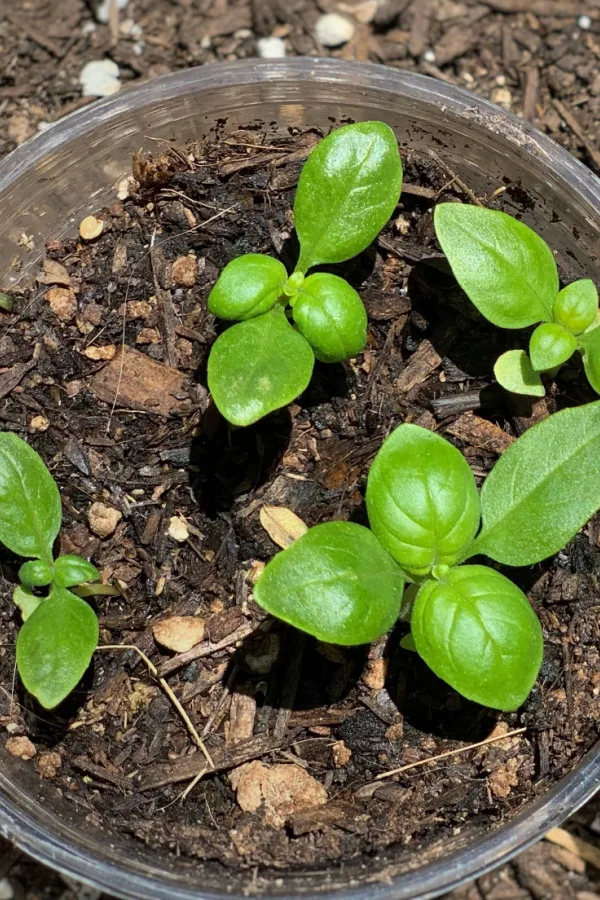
point(99, 78)
point(63, 303)
point(91, 228)
point(184, 270)
point(178, 529)
point(270, 48)
point(103, 519)
point(21, 747)
point(48, 764)
point(503, 97)
point(6, 890)
point(148, 336)
point(429, 56)
point(332, 30)
point(341, 754)
point(101, 354)
point(39, 424)
point(584, 22)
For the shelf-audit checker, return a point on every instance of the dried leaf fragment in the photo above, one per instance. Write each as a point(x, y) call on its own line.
point(282, 525)
point(179, 633)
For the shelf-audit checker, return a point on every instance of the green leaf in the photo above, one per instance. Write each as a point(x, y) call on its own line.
point(478, 633)
point(36, 572)
point(30, 508)
point(422, 500)
point(576, 306)
point(543, 489)
point(507, 270)
point(589, 344)
point(513, 370)
point(73, 570)
point(408, 643)
point(348, 189)
point(248, 286)
point(258, 366)
point(331, 316)
point(550, 346)
point(55, 646)
point(336, 582)
point(26, 600)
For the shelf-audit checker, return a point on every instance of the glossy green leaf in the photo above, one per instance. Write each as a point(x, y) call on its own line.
point(331, 316)
point(550, 346)
point(348, 189)
point(513, 370)
point(336, 582)
point(478, 633)
point(408, 643)
point(30, 508)
point(248, 286)
point(26, 600)
point(576, 306)
point(72, 570)
point(257, 367)
point(589, 344)
point(36, 572)
point(55, 646)
point(543, 489)
point(507, 270)
point(422, 499)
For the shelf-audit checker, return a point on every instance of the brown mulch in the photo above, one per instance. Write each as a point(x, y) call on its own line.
point(530, 57)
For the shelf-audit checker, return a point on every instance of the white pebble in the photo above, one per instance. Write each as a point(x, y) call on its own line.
point(270, 48)
point(100, 78)
point(6, 890)
point(178, 529)
point(429, 56)
point(333, 30)
point(584, 22)
point(103, 11)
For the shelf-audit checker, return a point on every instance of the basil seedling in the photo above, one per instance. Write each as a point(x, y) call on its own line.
point(509, 273)
point(348, 189)
point(59, 632)
point(470, 624)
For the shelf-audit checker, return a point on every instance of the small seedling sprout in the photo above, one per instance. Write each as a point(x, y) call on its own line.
point(348, 189)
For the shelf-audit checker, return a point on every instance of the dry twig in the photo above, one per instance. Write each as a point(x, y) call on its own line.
point(423, 762)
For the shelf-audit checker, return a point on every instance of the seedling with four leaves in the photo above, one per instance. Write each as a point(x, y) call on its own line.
point(473, 627)
point(60, 631)
point(347, 191)
point(509, 273)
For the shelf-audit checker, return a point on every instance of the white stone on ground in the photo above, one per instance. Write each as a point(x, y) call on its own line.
point(270, 48)
point(332, 30)
point(100, 78)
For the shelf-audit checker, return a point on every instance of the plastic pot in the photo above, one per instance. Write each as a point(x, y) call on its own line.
point(48, 184)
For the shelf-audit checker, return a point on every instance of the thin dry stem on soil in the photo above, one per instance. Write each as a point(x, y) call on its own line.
point(154, 671)
point(422, 762)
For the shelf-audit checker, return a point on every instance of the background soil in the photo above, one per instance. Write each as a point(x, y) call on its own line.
point(538, 58)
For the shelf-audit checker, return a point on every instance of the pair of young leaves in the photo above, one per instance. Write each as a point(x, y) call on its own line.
point(509, 273)
point(345, 583)
point(60, 632)
point(348, 189)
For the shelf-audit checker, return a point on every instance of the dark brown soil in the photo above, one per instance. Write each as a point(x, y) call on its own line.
point(263, 693)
